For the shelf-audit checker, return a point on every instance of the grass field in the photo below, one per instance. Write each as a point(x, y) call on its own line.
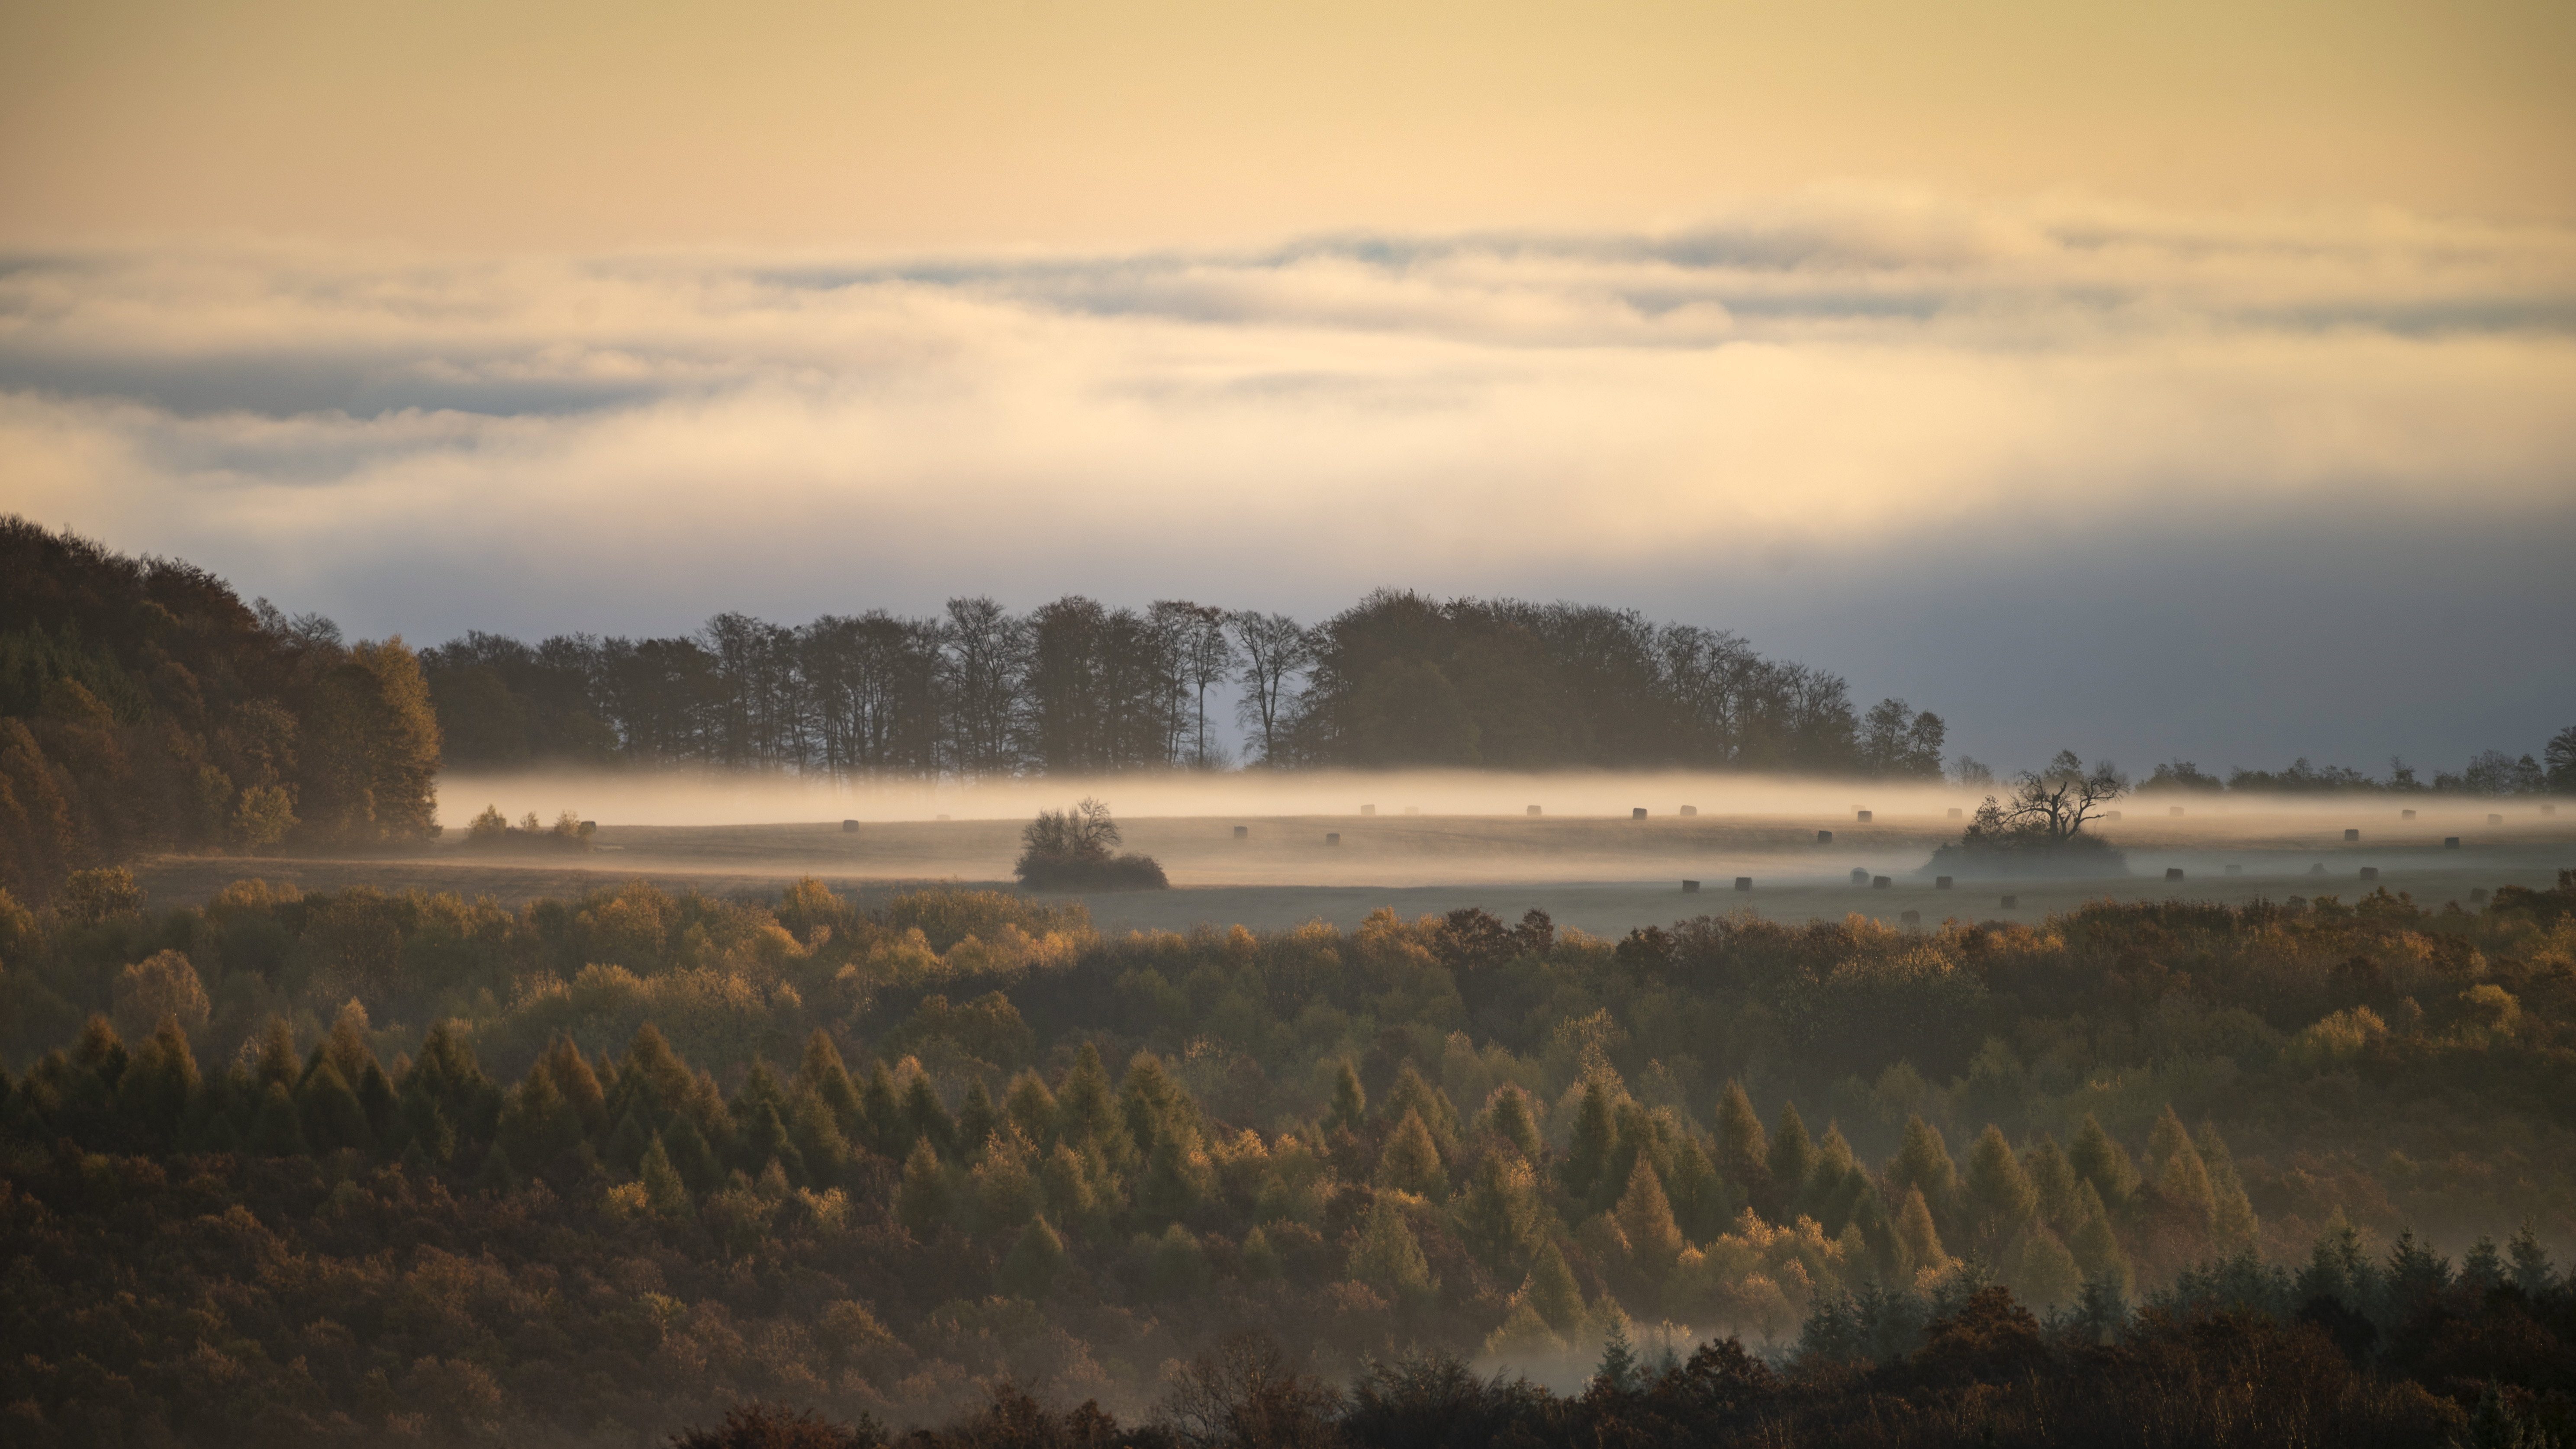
point(1601, 874)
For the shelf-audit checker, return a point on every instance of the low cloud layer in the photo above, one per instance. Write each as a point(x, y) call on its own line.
point(1875, 430)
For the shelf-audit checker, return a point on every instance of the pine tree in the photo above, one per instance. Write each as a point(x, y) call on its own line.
point(2054, 1182)
point(1004, 1193)
point(2096, 1248)
point(663, 1190)
point(1701, 1204)
point(1508, 1116)
point(824, 1074)
point(1555, 1293)
point(2531, 1272)
point(1618, 1371)
point(578, 1086)
point(1410, 1161)
point(1388, 1258)
point(1175, 1180)
point(1792, 1158)
point(1068, 1187)
point(2482, 1270)
point(1260, 1260)
point(1587, 1154)
point(156, 1089)
point(1029, 1270)
point(815, 1130)
point(1350, 1102)
point(1177, 1267)
point(628, 1144)
point(1744, 1150)
point(977, 1118)
point(2233, 1227)
point(277, 1130)
point(1914, 1229)
point(691, 1157)
point(276, 1063)
point(1646, 1219)
point(332, 1117)
point(1412, 1094)
point(922, 1200)
point(2045, 1274)
point(496, 1174)
point(886, 1134)
point(1498, 1214)
point(2165, 1139)
point(2002, 1200)
point(1923, 1162)
point(2103, 1163)
point(1032, 1108)
point(764, 1139)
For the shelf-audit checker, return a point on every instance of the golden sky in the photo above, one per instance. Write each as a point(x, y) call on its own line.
point(584, 126)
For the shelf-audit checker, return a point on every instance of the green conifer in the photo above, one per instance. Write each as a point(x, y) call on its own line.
point(667, 1194)
point(2001, 1199)
point(1349, 1111)
point(1587, 1153)
point(333, 1119)
point(1388, 1258)
point(1032, 1108)
point(1645, 1218)
point(1030, 1269)
point(277, 1130)
point(1507, 1115)
point(2103, 1163)
point(828, 1077)
point(923, 1202)
point(1551, 1290)
point(1792, 1157)
point(977, 1119)
point(1744, 1149)
point(1410, 1161)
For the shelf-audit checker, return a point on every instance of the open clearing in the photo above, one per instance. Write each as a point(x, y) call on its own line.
point(1604, 875)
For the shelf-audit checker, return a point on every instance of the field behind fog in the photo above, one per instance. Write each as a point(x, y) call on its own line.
point(1584, 860)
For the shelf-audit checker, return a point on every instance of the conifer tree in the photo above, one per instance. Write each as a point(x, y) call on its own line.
point(330, 1111)
point(1350, 1101)
point(628, 1144)
point(816, 1132)
point(2531, 1271)
point(578, 1086)
point(1087, 1111)
point(764, 1139)
point(276, 1063)
point(1413, 1094)
point(2103, 1163)
point(922, 1200)
point(1701, 1203)
point(1507, 1115)
point(1388, 1258)
point(2045, 1274)
point(1032, 1108)
point(1792, 1157)
point(2233, 1227)
point(1260, 1260)
point(1149, 1101)
point(2001, 1197)
point(277, 1130)
point(828, 1077)
point(1915, 1231)
point(1410, 1162)
point(925, 1117)
point(1646, 1219)
point(1923, 1162)
point(1067, 1187)
point(154, 1093)
point(1499, 1213)
point(2096, 1248)
point(664, 1191)
point(977, 1118)
point(1177, 1267)
point(2053, 1182)
point(887, 1135)
point(1037, 1256)
point(1744, 1150)
point(1175, 1177)
point(1004, 1192)
point(1587, 1153)
point(690, 1155)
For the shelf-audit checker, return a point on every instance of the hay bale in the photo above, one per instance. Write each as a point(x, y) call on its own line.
point(1880, 882)
point(2495, 820)
point(1690, 810)
point(2350, 836)
point(2317, 869)
point(1637, 814)
point(1824, 837)
point(2405, 814)
point(1860, 877)
point(1940, 882)
point(1744, 882)
point(2450, 842)
point(1912, 918)
point(2370, 872)
point(2012, 903)
point(1243, 832)
point(1690, 887)
point(1533, 810)
point(1864, 817)
point(849, 827)
point(1332, 837)
point(2173, 872)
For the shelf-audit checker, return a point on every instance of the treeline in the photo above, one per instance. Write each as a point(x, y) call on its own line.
point(2489, 772)
point(143, 706)
point(475, 1173)
point(1398, 679)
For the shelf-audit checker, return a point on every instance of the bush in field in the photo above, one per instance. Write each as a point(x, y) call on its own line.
point(1074, 850)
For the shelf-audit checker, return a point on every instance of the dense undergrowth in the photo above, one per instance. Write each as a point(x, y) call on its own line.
point(347, 1166)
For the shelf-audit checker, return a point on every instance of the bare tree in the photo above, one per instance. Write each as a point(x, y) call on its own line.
point(1245, 1392)
point(2048, 807)
point(1276, 649)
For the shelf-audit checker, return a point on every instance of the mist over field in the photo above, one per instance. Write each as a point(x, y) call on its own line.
point(1332, 726)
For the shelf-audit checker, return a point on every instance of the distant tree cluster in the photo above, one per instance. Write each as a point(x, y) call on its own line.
point(1077, 849)
point(144, 707)
point(342, 1167)
point(2489, 772)
point(1076, 686)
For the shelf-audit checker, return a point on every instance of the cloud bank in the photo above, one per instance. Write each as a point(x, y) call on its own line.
point(1841, 408)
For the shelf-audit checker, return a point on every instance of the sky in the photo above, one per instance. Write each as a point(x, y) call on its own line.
point(2182, 380)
